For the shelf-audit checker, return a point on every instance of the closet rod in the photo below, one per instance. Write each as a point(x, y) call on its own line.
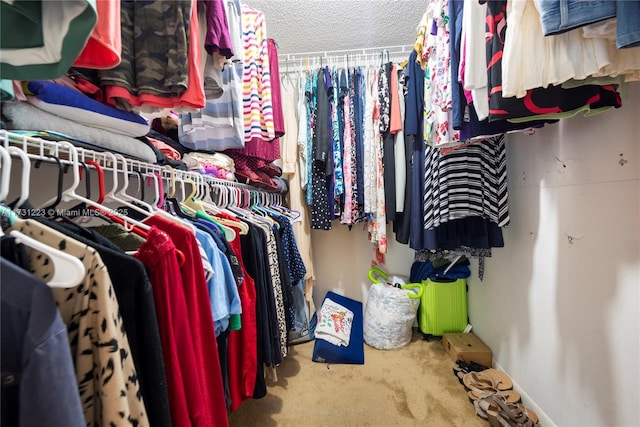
point(363, 51)
point(41, 149)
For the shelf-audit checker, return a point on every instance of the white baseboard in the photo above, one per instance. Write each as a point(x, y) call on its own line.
point(545, 421)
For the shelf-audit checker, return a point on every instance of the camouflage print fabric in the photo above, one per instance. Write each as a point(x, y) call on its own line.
point(155, 44)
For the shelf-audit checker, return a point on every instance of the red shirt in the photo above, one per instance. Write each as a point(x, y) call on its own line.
point(243, 344)
point(200, 320)
point(157, 253)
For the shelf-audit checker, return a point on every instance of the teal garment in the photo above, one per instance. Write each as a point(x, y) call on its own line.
point(23, 32)
point(338, 176)
point(6, 90)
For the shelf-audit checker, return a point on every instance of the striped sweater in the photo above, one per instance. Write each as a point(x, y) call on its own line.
point(258, 108)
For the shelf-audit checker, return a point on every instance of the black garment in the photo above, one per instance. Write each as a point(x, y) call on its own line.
point(320, 214)
point(254, 255)
point(276, 356)
point(539, 99)
point(15, 252)
point(285, 280)
point(135, 299)
point(389, 165)
point(322, 167)
point(322, 151)
point(401, 225)
point(388, 143)
point(222, 341)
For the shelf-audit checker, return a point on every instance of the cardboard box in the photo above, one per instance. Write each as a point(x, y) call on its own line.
point(467, 347)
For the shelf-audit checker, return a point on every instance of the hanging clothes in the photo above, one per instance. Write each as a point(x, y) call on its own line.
point(137, 308)
point(100, 370)
point(294, 155)
point(158, 253)
point(242, 343)
point(200, 321)
point(321, 165)
point(551, 102)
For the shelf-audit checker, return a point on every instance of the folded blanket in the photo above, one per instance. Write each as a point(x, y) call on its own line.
point(70, 104)
point(24, 116)
point(334, 323)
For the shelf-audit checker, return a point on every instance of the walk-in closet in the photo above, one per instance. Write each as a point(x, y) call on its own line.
point(320, 213)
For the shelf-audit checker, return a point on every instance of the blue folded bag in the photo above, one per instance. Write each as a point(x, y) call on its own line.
point(326, 352)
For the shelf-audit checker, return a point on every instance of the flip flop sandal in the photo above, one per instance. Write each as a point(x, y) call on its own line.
point(485, 405)
point(469, 366)
point(480, 381)
point(463, 368)
point(510, 396)
point(502, 380)
point(501, 413)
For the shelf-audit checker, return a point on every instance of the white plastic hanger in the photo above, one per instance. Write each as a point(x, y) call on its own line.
point(120, 197)
point(68, 271)
point(26, 174)
point(5, 173)
point(70, 193)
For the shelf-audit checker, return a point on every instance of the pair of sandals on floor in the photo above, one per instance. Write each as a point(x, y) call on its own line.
point(493, 397)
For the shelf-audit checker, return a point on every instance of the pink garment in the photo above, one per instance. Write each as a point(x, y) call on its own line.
point(276, 93)
point(395, 125)
point(461, 71)
point(166, 149)
point(104, 47)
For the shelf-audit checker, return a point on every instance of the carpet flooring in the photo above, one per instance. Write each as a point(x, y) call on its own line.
point(412, 386)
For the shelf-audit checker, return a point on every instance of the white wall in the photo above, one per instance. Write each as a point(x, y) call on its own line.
point(342, 259)
point(559, 304)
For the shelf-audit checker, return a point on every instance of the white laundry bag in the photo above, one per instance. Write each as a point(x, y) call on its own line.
point(390, 312)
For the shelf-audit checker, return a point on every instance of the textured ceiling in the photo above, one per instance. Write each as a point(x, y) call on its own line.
point(313, 26)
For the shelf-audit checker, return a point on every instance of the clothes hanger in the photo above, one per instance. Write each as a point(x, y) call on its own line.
point(61, 171)
point(158, 200)
point(25, 177)
point(141, 186)
point(172, 181)
point(206, 208)
point(70, 194)
point(68, 271)
point(171, 201)
point(190, 201)
point(5, 158)
point(5, 174)
point(122, 195)
point(160, 189)
point(221, 210)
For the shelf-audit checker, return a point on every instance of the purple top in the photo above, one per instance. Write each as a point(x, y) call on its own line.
point(217, 38)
